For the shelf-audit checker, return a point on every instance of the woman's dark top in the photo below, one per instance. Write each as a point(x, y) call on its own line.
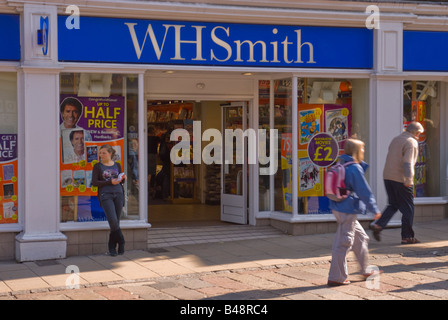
point(102, 177)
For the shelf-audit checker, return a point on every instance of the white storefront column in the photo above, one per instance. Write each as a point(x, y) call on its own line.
point(39, 131)
point(386, 112)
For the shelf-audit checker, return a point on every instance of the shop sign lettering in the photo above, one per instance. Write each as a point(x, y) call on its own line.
point(115, 40)
point(219, 35)
point(8, 147)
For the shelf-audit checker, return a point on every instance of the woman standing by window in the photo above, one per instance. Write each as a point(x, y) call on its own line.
point(108, 178)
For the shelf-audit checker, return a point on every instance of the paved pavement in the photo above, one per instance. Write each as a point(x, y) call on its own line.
point(277, 268)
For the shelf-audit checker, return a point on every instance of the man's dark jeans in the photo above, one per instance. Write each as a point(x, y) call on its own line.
point(400, 198)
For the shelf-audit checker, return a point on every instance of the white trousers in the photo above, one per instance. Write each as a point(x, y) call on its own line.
point(350, 235)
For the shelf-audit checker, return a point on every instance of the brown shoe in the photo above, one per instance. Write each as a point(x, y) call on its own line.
point(373, 274)
point(409, 241)
point(336, 284)
point(376, 231)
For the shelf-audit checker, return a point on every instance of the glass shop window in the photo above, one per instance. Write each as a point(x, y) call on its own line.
point(96, 109)
point(421, 103)
point(9, 195)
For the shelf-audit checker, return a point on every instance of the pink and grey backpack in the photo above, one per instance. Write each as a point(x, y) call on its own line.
point(335, 182)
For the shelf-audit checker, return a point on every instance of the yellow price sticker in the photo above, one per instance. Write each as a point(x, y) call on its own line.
point(82, 188)
point(94, 188)
point(82, 163)
point(344, 112)
point(14, 179)
point(317, 113)
point(94, 162)
point(14, 198)
point(69, 188)
point(317, 187)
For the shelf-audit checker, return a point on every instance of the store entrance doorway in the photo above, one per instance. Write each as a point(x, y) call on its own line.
point(234, 168)
point(185, 194)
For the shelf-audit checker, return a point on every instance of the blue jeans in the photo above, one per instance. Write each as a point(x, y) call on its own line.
point(400, 198)
point(112, 204)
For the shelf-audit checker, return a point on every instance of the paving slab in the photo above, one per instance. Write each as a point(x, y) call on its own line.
point(277, 268)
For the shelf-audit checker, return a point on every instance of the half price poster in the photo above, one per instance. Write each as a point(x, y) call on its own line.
point(8, 178)
point(100, 122)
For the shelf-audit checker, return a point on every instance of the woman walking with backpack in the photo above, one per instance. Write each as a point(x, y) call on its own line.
point(350, 235)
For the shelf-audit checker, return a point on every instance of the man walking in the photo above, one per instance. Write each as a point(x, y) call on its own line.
point(398, 178)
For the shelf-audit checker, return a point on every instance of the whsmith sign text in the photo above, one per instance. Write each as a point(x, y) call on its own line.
point(112, 40)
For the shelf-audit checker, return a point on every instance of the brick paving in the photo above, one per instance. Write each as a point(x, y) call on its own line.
point(411, 272)
point(421, 277)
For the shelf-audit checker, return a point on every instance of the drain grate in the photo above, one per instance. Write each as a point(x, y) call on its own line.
point(157, 250)
point(44, 263)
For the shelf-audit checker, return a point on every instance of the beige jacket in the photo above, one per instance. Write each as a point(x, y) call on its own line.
point(401, 159)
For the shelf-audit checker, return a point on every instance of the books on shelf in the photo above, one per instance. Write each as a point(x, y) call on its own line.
point(159, 115)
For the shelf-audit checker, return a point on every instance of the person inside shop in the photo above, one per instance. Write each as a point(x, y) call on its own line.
point(109, 179)
point(163, 189)
point(71, 110)
point(77, 141)
point(350, 235)
point(133, 165)
point(153, 144)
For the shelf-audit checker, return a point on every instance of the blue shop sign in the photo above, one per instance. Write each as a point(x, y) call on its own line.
point(113, 40)
point(425, 51)
point(10, 48)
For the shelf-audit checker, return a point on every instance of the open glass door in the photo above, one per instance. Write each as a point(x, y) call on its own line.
point(234, 163)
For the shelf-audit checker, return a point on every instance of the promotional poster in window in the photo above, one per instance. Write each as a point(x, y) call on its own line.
point(8, 179)
point(86, 123)
point(327, 120)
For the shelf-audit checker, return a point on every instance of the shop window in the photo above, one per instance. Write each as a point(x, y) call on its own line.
point(283, 123)
point(421, 103)
point(264, 123)
point(8, 149)
point(334, 109)
point(96, 109)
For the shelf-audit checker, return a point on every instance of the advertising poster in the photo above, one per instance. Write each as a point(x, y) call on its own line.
point(286, 165)
point(323, 130)
point(419, 115)
point(86, 123)
point(310, 177)
point(421, 118)
point(337, 122)
point(8, 178)
point(310, 123)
